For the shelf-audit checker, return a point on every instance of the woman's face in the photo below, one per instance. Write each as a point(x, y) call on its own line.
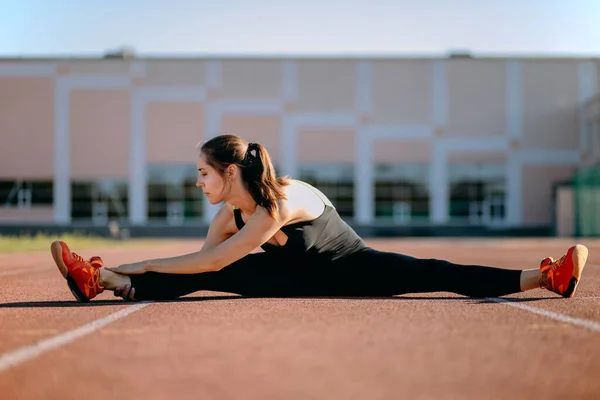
point(209, 180)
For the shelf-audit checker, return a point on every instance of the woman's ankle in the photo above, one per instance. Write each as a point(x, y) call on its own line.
point(530, 279)
point(111, 280)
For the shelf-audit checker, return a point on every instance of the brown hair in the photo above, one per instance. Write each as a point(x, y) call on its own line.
point(258, 172)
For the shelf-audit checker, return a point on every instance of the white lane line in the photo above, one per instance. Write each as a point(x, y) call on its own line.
point(23, 271)
point(15, 357)
point(594, 326)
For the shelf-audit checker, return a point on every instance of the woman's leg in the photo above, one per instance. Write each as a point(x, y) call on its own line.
point(366, 273)
point(259, 274)
point(375, 273)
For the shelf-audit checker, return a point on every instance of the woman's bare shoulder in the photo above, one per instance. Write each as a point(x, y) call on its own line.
point(224, 218)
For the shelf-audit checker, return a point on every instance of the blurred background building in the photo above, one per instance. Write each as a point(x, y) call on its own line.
point(455, 144)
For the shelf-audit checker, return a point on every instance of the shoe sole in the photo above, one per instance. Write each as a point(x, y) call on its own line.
point(56, 250)
point(579, 257)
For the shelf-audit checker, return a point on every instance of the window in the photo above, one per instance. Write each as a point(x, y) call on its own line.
point(172, 193)
point(477, 193)
point(402, 192)
point(26, 193)
point(100, 200)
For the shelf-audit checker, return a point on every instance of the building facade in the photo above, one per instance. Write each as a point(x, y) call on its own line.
point(405, 141)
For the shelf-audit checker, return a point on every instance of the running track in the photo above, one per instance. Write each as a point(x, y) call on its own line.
point(213, 345)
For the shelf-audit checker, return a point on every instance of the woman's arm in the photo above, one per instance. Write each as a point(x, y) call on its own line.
point(219, 231)
point(259, 229)
point(220, 228)
point(220, 248)
point(196, 262)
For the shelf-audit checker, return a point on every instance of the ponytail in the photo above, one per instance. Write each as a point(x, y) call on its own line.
point(258, 174)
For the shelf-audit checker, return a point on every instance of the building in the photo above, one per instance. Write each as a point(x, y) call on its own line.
point(398, 142)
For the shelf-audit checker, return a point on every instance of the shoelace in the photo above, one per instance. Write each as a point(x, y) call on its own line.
point(544, 280)
point(93, 282)
point(558, 263)
point(81, 259)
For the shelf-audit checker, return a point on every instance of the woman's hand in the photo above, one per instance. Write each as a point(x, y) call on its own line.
point(126, 293)
point(130, 269)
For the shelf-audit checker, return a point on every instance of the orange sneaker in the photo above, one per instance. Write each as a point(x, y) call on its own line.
point(83, 277)
point(563, 275)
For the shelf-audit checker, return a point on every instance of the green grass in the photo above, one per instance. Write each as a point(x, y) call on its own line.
point(15, 244)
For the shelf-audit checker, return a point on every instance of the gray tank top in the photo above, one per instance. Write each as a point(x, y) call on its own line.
point(327, 237)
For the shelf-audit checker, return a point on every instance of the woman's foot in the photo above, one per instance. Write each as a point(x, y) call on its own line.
point(563, 275)
point(119, 283)
point(83, 277)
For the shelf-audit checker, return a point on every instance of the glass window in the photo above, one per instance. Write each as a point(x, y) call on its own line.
point(477, 193)
point(402, 192)
point(100, 200)
point(172, 193)
point(26, 193)
point(42, 193)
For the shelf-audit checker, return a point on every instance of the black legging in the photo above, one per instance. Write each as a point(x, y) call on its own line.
point(366, 273)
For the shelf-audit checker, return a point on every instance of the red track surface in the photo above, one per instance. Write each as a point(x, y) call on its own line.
point(221, 346)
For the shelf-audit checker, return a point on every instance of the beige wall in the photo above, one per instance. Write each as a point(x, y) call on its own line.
point(476, 98)
point(322, 145)
point(537, 191)
point(173, 130)
point(550, 99)
point(564, 213)
point(338, 76)
point(396, 152)
point(494, 157)
point(251, 79)
point(93, 67)
point(263, 129)
point(401, 92)
point(174, 72)
point(26, 128)
point(35, 214)
point(99, 126)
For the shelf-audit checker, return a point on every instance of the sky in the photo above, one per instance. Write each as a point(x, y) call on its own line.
point(301, 27)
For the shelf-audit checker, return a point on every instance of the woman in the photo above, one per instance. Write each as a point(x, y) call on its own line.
point(308, 249)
